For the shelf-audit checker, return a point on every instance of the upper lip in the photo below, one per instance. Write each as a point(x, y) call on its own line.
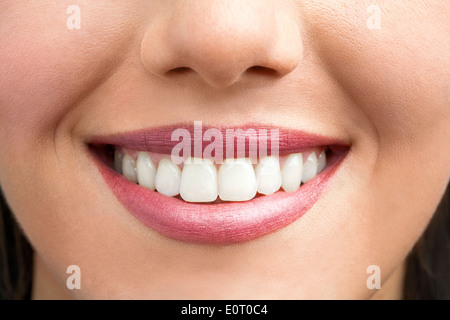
point(158, 139)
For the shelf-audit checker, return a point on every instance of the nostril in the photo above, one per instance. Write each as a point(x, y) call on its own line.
point(257, 70)
point(264, 71)
point(220, 79)
point(178, 71)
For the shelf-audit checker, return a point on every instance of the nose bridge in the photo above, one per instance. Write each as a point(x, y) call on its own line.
point(222, 39)
point(221, 29)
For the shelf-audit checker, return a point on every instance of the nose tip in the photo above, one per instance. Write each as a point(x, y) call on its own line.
point(223, 41)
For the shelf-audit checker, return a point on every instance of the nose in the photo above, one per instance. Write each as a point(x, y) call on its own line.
point(222, 41)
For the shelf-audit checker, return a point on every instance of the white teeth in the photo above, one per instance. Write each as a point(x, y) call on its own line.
point(268, 175)
point(199, 181)
point(129, 168)
point(292, 172)
point(146, 170)
point(118, 157)
point(310, 167)
point(167, 179)
point(322, 162)
point(237, 181)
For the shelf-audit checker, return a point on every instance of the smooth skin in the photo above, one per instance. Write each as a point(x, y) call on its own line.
point(308, 65)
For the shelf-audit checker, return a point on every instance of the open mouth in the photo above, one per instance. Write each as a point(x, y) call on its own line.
point(204, 200)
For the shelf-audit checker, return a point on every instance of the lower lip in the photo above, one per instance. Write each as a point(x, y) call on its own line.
point(222, 223)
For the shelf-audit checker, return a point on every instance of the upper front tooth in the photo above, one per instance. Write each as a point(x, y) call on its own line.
point(237, 181)
point(199, 181)
point(129, 168)
point(310, 167)
point(146, 170)
point(167, 179)
point(322, 162)
point(268, 175)
point(292, 172)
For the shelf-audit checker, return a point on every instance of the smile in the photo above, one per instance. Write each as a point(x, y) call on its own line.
point(217, 202)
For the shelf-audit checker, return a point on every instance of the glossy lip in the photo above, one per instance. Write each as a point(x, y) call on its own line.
point(158, 140)
point(221, 223)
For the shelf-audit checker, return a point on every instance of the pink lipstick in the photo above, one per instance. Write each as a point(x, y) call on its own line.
point(215, 223)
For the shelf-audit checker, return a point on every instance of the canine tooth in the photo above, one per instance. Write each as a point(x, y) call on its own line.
point(198, 181)
point(322, 162)
point(146, 170)
point(237, 181)
point(118, 158)
point(292, 172)
point(268, 175)
point(129, 168)
point(310, 167)
point(167, 179)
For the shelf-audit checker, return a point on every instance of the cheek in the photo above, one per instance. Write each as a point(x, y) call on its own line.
point(398, 78)
point(398, 74)
point(46, 68)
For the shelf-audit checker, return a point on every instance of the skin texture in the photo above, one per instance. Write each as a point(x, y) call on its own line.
point(308, 65)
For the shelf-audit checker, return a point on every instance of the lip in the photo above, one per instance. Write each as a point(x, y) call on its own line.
point(158, 140)
point(220, 223)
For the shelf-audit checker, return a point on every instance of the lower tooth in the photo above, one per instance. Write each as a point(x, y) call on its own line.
point(199, 181)
point(310, 167)
point(167, 179)
point(237, 181)
point(129, 168)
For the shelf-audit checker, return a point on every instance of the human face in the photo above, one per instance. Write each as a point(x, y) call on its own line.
point(323, 68)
